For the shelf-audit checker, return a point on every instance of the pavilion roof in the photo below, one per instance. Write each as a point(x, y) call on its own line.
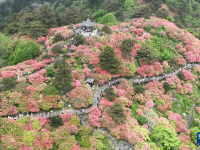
point(89, 80)
point(87, 23)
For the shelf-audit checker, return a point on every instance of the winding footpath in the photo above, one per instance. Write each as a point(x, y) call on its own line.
point(97, 98)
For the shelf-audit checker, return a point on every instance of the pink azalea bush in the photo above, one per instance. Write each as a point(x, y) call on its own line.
point(198, 110)
point(94, 117)
point(81, 96)
point(188, 75)
point(36, 78)
point(73, 129)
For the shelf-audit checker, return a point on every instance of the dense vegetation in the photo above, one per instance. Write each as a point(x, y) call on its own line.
point(44, 75)
point(35, 17)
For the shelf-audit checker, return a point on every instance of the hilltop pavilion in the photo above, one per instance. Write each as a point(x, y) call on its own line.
point(87, 25)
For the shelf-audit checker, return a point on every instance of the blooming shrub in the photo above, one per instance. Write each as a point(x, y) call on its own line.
point(9, 74)
point(41, 39)
point(38, 66)
point(149, 104)
point(73, 129)
point(198, 110)
point(94, 117)
point(81, 96)
point(36, 78)
point(188, 75)
point(66, 117)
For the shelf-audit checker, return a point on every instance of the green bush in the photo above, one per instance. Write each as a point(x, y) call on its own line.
point(50, 72)
point(56, 121)
point(107, 29)
point(139, 89)
point(181, 76)
point(58, 37)
point(166, 86)
point(49, 90)
point(56, 49)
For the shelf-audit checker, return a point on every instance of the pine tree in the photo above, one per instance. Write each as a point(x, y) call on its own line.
point(63, 76)
point(116, 111)
point(46, 16)
point(110, 94)
point(109, 61)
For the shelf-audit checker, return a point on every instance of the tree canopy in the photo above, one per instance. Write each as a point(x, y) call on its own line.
point(109, 61)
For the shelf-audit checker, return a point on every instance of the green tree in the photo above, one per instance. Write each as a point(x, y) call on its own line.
point(163, 13)
point(108, 18)
point(85, 14)
point(56, 121)
point(165, 138)
point(116, 111)
point(8, 83)
point(142, 11)
point(107, 29)
point(49, 90)
point(71, 16)
point(50, 72)
point(37, 29)
point(58, 37)
point(130, 4)
point(46, 15)
point(166, 86)
point(24, 51)
point(126, 47)
point(99, 14)
point(145, 53)
point(56, 49)
point(63, 76)
point(139, 89)
point(109, 61)
point(110, 94)
point(46, 56)
point(13, 27)
point(79, 39)
point(181, 76)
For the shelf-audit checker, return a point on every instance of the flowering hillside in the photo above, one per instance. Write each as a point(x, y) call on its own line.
point(140, 114)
